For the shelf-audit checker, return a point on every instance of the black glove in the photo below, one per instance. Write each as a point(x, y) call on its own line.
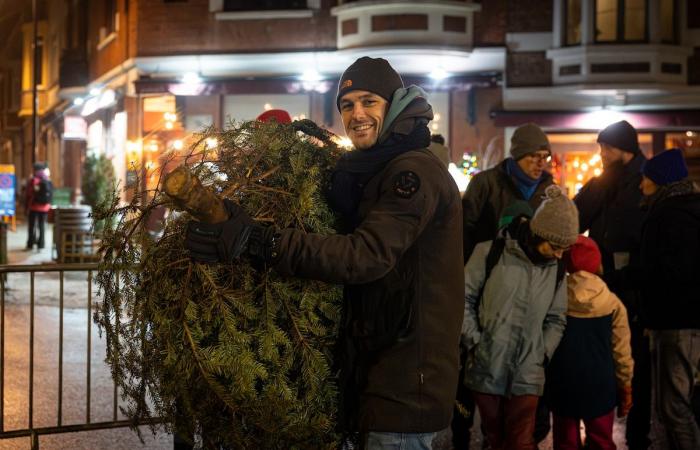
point(220, 242)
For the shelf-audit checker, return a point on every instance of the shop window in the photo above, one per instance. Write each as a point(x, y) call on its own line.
point(668, 21)
point(573, 22)
point(250, 106)
point(621, 20)
point(263, 5)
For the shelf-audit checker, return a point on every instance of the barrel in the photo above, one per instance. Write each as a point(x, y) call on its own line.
point(72, 233)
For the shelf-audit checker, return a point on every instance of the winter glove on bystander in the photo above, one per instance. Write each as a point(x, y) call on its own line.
point(624, 400)
point(223, 241)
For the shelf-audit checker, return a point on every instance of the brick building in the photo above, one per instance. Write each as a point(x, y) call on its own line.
point(134, 78)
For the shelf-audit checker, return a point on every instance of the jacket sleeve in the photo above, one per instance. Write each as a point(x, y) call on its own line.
point(390, 228)
point(622, 351)
point(555, 320)
point(589, 202)
point(474, 273)
point(472, 207)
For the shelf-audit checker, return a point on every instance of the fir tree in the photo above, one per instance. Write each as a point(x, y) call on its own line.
point(233, 352)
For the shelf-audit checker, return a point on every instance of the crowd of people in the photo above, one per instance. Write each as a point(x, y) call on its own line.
point(496, 299)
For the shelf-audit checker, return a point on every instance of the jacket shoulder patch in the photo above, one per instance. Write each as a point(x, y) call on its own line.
point(406, 184)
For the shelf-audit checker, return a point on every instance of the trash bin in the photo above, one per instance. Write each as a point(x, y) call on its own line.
point(72, 233)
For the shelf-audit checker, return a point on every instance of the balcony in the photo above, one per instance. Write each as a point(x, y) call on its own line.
point(73, 69)
point(400, 23)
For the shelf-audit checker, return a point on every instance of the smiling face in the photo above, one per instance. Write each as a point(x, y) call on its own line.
point(363, 116)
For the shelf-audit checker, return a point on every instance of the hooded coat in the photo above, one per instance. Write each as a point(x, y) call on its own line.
point(402, 270)
point(594, 357)
point(517, 325)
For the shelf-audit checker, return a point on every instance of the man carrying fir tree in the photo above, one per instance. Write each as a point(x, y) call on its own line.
point(400, 261)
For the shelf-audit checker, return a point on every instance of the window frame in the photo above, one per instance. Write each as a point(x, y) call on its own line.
point(620, 25)
point(565, 20)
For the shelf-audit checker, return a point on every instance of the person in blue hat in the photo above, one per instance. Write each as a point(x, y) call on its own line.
point(667, 272)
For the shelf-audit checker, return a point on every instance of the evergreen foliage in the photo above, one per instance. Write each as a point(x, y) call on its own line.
point(98, 179)
point(232, 352)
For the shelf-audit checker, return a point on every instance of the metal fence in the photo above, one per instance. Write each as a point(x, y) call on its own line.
point(31, 431)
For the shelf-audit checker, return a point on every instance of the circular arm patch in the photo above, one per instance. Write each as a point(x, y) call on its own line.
point(406, 184)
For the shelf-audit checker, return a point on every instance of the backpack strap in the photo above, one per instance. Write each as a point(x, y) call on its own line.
point(561, 273)
point(494, 254)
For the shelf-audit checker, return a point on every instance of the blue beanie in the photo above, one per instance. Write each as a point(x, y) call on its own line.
point(667, 167)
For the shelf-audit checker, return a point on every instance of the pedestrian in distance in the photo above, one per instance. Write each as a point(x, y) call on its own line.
point(400, 261)
point(591, 371)
point(39, 194)
point(514, 317)
point(438, 148)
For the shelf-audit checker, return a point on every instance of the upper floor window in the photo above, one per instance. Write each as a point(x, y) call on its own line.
point(668, 21)
point(573, 22)
point(621, 20)
point(263, 5)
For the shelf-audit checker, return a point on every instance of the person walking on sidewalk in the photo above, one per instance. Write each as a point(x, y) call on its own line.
point(514, 317)
point(39, 194)
point(591, 371)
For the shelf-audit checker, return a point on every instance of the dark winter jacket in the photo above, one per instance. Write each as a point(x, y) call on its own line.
point(609, 209)
point(594, 357)
point(487, 195)
point(402, 267)
point(33, 187)
point(669, 263)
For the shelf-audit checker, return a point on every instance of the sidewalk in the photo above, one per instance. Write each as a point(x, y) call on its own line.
point(17, 242)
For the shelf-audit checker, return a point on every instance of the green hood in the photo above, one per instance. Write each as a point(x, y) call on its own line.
point(407, 106)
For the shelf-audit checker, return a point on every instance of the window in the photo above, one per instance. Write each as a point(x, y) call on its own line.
point(621, 20)
point(109, 19)
point(668, 22)
point(573, 22)
point(263, 5)
point(39, 61)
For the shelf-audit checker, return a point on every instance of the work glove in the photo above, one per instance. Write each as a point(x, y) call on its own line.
point(220, 242)
point(624, 400)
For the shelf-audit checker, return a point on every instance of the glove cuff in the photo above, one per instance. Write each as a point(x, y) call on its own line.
point(263, 244)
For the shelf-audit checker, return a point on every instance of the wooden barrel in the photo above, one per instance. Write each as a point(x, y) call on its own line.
point(72, 232)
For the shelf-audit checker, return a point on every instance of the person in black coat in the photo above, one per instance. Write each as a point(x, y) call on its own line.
point(667, 270)
point(609, 209)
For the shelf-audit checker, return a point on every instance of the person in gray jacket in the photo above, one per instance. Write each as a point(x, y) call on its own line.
point(514, 318)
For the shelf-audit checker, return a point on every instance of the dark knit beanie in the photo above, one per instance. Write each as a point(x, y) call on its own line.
point(583, 255)
point(620, 135)
point(528, 138)
point(369, 74)
point(556, 220)
point(665, 168)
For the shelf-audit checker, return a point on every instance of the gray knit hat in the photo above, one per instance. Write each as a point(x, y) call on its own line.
point(528, 138)
point(556, 220)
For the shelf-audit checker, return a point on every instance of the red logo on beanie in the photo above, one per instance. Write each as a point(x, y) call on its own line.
point(346, 84)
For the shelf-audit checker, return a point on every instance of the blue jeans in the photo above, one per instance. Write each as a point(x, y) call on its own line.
point(676, 362)
point(399, 441)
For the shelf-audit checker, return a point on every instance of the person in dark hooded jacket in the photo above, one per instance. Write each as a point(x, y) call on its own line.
point(400, 262)
point(609, 208)
point(667, 273)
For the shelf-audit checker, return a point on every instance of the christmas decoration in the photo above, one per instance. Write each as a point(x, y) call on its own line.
point(230, 352)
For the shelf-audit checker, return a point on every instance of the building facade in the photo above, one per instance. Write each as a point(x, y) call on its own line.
point(136, 78)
